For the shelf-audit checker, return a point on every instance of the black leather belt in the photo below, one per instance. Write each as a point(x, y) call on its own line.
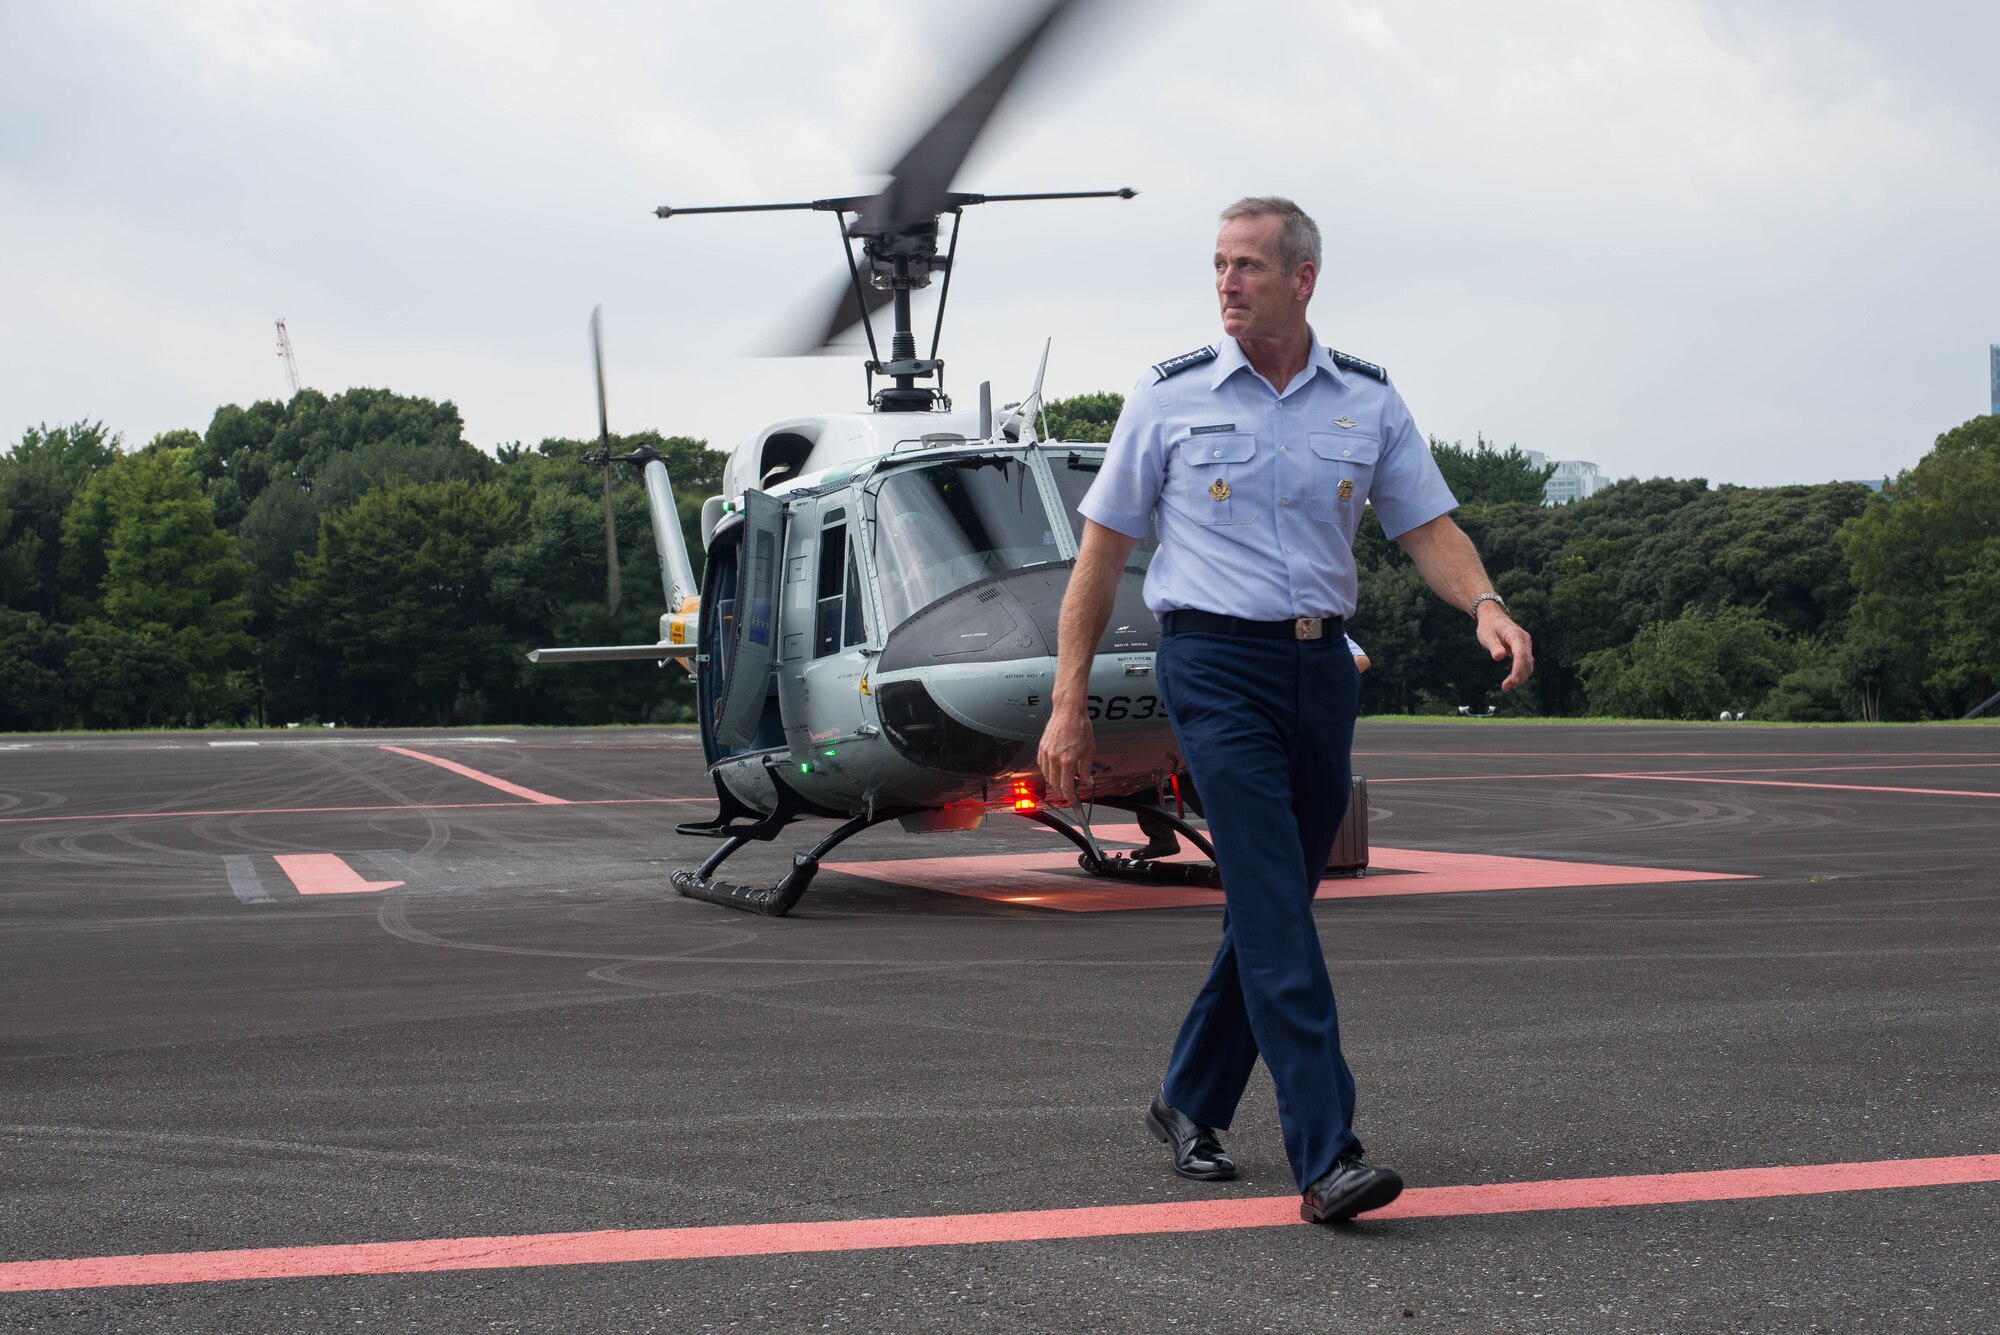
point(1187, 621)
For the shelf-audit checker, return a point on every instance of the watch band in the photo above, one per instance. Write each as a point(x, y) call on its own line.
point(1488, 597)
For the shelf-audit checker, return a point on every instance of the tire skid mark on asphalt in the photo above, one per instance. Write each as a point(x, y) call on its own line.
point(619, 1246)
point(412, 807)
point(72, 1136)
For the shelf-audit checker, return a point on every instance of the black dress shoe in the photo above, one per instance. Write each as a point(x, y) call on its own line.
point(1197, 1153)
point(1348, 1189)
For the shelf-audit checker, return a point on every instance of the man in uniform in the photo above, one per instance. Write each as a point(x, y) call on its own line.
point(1254, 456)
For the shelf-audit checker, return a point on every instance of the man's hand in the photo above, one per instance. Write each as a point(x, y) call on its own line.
point(1067, 747)
point(1502, 637)
point(1067, 743)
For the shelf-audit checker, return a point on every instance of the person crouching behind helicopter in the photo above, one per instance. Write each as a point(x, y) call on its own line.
point(1161, 840)
point(1253, 457)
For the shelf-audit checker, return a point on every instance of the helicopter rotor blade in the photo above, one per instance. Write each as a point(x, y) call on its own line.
point(604, 446)
point(841, 315)
point(920, 184)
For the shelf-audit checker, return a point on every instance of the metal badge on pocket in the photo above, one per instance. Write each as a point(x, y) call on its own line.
point(1346, 489)
point(1218, 490)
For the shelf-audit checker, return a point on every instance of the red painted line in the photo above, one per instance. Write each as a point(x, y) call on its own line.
point(315, 811)
point(489, 780)
point(328, 874)
point(613, 1246)
point(1719, 755)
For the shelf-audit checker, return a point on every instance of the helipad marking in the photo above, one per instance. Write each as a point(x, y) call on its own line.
point(612, 1246)
point(487, 779)
point(328, 874)
point(1054, 881)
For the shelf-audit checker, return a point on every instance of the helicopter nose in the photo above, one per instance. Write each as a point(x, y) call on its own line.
point(964, 683)
point(1009, 617)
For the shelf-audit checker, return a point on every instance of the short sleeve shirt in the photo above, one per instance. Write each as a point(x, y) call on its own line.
point(1256, 493)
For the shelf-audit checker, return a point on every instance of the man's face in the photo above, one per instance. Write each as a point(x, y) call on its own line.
point(1259, 299)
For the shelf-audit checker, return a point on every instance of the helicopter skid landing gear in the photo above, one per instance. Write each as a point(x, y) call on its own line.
point(1097, 862)
point(773, 901)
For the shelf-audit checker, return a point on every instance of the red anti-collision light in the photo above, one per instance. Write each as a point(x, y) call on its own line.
point(1022, 796)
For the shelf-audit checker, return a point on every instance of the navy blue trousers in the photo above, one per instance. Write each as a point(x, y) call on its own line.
point(1267, 729)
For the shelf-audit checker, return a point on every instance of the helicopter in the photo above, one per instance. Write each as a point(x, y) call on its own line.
point(874, 635)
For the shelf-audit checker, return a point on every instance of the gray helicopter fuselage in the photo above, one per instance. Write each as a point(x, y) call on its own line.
point(902, 594)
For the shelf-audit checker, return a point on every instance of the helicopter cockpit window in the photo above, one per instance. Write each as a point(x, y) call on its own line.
point(829, 612)
point(1074, 472)
point(940, 527)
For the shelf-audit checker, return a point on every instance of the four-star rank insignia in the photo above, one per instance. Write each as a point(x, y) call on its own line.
point(1346, 489)
point(1218, 490)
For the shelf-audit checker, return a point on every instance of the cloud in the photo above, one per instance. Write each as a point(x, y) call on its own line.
point(1745, 241)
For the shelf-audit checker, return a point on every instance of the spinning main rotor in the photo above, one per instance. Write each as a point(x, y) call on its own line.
point(898, 231)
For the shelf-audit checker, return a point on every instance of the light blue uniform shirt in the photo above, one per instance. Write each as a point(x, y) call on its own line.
point(1256, 494)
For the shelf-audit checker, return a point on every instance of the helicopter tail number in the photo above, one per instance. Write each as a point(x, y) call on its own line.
point(1123, 707)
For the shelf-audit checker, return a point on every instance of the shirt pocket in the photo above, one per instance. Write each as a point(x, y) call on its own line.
point(1343, 466)
point(1218, 477)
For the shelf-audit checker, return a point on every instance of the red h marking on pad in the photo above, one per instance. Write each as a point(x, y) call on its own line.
point(842, 1235)
point(327, 874)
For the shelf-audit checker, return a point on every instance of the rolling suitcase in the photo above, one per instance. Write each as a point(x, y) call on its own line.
point(1350, 846)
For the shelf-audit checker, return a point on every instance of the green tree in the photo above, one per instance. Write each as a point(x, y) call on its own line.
point(1966, 665)
point(1485, 475)
point(279, 527)
point(1772, 549)
point(39, 478)
point(335, 448)
point(142, 530)
point(392, 619)
point(1934, 523)
point(122, 678)
point(31, 673)
point(1084, 417)
point(1693, 667)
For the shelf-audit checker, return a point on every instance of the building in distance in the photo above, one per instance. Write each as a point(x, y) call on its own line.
point(1573, 479)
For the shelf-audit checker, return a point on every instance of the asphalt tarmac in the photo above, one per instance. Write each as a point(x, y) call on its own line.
point(361, 1031)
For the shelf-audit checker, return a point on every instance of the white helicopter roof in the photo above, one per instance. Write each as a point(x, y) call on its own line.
point(796, 447)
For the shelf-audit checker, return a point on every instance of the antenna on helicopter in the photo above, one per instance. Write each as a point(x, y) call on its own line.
point(898, 231)
point(1027, 420)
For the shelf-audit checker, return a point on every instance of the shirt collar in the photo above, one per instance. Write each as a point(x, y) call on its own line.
point(1230, 359)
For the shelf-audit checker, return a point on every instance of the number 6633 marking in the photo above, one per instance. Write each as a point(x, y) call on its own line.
point(1123, 706)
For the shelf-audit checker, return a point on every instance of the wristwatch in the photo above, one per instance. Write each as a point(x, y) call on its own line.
point(1488, 597)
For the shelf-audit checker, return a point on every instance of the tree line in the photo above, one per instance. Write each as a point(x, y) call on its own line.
point(354, 558)
point(1668, 598)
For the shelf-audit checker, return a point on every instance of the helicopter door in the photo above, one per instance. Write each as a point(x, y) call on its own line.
point(754, 641)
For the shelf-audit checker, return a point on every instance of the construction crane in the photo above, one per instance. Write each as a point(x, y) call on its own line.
point(285, 356)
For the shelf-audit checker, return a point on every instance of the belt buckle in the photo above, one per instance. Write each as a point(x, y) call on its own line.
point(1308, 628)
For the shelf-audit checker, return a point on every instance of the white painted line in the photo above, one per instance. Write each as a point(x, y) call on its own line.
point(243, 879)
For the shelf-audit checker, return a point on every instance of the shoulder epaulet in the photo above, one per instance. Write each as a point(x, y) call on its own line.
point(1173, 366)
point(1350, 363)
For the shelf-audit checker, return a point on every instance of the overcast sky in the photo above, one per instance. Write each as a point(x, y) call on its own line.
point(1757, 242)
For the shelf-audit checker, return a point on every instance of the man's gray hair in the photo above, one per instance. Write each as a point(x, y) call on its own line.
point(1298, 238)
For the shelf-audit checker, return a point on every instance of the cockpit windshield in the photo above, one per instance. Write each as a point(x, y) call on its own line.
point(942, 526)
point(1074, 470)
